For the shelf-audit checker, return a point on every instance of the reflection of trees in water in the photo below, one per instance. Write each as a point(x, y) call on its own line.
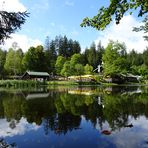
point(39, 108)
point(4, 144)
point(13, 107)
point(12, 124)
point(122, 89)
point(62, 123)
point(62, 112)
point(1, 108)
point(79, 105)
point(119, 107)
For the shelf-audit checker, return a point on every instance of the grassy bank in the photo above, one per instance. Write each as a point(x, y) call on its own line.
point(68, 82)
point(19, 83)
point(62, 83)
point(30, 83)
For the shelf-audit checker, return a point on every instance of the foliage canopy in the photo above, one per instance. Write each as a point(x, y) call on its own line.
point(114, 61)
point(117, 9)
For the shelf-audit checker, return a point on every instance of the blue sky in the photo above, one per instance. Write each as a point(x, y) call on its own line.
point(55, 17)
point(63, 17)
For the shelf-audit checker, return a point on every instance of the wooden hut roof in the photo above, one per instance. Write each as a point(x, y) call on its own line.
point(33, 73)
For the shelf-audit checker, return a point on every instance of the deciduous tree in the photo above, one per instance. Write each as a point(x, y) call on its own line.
point(2, 62)
point(59, 64)
point(10, 66)
point(66, 71)
point(114, 61)
point(34, 59)
point(79, 69)
point(88, 69)
point(117, 9)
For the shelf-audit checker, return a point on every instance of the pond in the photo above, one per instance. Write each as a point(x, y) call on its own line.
point(73, 117)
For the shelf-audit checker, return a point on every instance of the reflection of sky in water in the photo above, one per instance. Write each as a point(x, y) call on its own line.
point(31, 135)
point(20, 128)
point(134, 137)
point(126, 137)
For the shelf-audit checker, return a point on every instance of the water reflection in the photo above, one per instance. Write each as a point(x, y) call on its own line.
point(4, 144)
point(19, 127)
point(105, 114)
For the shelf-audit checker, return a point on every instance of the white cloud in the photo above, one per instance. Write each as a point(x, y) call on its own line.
point(136, 138)
point(12, 6)
point(123, 33)
point(23, 41)
point(69, 3)
point(20, 128)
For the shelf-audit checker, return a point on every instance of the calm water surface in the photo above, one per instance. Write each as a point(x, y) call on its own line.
point(89, 117)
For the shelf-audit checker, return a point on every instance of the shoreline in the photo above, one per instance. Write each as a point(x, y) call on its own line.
point(31, 83)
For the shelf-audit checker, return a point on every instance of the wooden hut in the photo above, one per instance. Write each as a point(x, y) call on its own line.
point(39, 76)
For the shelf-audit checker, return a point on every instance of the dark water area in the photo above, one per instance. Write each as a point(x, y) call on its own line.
point(75, 117)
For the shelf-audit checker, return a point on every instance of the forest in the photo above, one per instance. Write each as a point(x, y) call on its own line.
point(64, 57)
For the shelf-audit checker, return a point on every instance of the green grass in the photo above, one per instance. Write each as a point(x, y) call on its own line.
point(62, 83)
point(71, 83)
point(146, 81)
point(19, 83)
point(109, 84)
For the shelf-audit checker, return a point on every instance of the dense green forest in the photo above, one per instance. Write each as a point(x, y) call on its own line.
point(64, 57)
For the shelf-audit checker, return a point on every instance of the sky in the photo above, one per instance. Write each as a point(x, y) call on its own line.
point(63, 17)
